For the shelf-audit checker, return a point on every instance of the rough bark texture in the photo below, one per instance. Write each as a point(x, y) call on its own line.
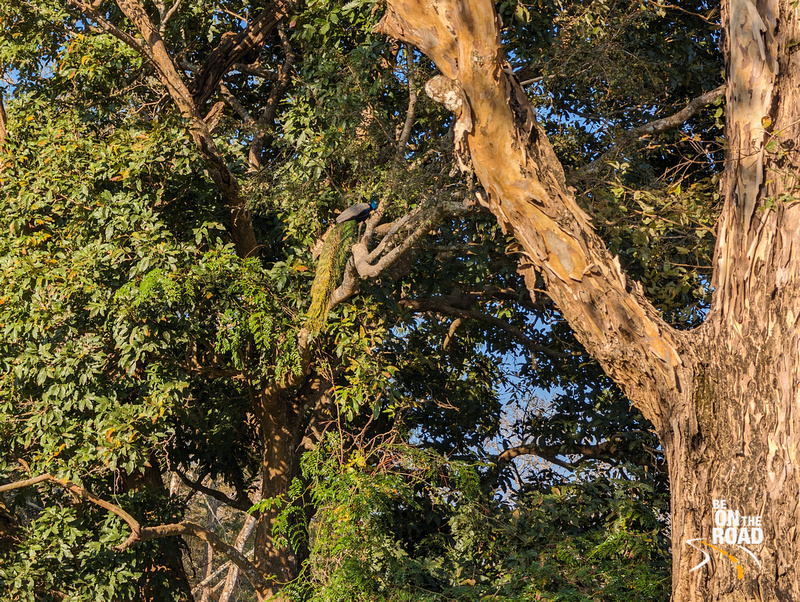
point(724, 398)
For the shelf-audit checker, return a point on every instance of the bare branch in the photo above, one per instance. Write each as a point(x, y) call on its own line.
point(362, 267)
point(529, 450)
point(655, 127)
point(412, 101)
point(242, 503)
point(364, 259)
point(233, 572)
point(139, 533)
point(77, 491)
point(237, 106)
point(26, 482)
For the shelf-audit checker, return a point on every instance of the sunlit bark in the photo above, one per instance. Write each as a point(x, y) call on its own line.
point(724, 398)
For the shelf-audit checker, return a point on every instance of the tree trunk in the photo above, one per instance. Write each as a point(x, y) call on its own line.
point(284, 421)
point(725, 398)
point(734, 491)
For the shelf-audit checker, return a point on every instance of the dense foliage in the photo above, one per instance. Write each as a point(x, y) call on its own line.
point(135, 343)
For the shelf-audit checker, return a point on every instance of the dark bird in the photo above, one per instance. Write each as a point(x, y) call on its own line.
point(357, 213)
point(333, 259)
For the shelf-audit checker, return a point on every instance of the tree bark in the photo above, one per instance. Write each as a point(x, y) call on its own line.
point(724, 399)
point(284, 421)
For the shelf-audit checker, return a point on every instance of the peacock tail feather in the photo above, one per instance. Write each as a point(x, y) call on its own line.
point(330, 267)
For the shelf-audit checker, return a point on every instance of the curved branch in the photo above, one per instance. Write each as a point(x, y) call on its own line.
point(526, 191)
point(76, 491)
point(655, 127)
point(258, 581)
point(139, 533)
point(240, 503)
point(607, 450)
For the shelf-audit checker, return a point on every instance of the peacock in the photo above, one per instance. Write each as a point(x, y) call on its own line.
point(332, 260)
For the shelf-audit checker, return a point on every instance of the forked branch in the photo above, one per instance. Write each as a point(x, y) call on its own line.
point(140, 533)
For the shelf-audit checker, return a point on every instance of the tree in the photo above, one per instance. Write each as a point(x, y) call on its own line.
point(721, 397)
point(152, 323)
point(166, 172)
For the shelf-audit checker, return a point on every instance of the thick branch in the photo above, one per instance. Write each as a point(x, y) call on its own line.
point(231, 49)
point(368, 264)
point(527, 193)
point(3, 122)
point(241, 225)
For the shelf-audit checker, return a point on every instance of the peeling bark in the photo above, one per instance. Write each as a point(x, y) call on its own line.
point(527, 193)
point(725, 398)
point(3, 123)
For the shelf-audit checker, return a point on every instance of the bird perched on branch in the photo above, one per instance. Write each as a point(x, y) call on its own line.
point(357, 213)
point(332, 260)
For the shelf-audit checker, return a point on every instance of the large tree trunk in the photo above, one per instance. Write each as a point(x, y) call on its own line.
point(288, 423)
point(724, 398)
point(280, 428)
point(746, 395)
